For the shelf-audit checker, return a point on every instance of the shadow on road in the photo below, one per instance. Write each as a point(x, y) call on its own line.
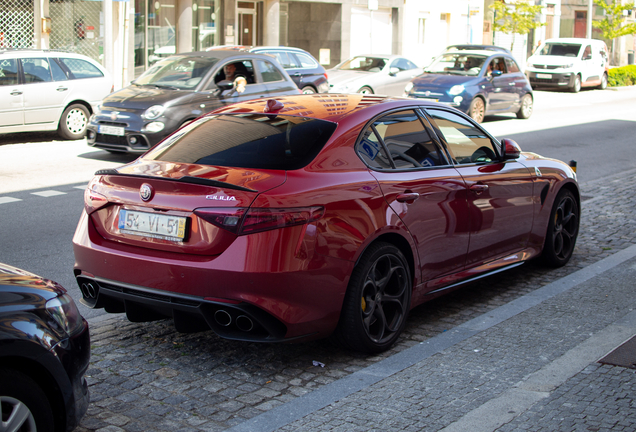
point(29, 137)
point(103, 155)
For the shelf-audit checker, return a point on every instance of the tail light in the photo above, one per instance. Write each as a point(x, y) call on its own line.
point(248, 221)
point(326, 77)
point(93, 201)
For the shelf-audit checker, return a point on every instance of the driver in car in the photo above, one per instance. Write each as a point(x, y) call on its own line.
point(239, 80)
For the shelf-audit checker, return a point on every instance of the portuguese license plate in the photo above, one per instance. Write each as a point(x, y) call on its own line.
point(153, 225)
point(544, 76)
point(111, 130)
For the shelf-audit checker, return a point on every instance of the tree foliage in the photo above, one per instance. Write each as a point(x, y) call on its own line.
point(611, 26)
point(515, 18)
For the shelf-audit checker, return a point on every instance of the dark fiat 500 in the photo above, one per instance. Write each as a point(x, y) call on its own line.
point(178, 89)
point(478, 83)
point(44, 353)
point(293, 218)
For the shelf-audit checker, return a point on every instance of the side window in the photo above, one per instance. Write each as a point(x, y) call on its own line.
point(268, 71)
point(466, 142)
point(8, 72)
point(284, 59)
point(587, 53)
point(498, 64)
point(397, 64)
point(232, 70)
point(58, 73)
point(306, 61)
point(404, 138)
point(81, 68)
point(36, 70)
point(371, 150)
point(512, 65)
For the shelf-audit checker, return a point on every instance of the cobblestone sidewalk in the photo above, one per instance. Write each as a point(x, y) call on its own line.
point(149, 377)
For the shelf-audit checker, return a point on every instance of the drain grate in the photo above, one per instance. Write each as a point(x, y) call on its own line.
point(624, 355)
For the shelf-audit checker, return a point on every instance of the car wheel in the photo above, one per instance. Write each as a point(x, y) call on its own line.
point(477, 109)
point(603, 85)
point(73, 122)
point(525, 111)
point(308, 90)
point(365, 90)
point(576, 87)
point(377, 301)
point(25, 406)
point(563, 230)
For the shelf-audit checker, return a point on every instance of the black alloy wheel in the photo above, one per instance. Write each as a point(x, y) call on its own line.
point(563, 230)
point(377, 302)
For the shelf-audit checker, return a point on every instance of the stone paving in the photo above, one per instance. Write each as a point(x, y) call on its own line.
point(146, 376)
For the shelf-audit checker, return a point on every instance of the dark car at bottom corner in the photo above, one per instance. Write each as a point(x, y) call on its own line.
point(309, 216)
point(176, 90)
point(44, 353)
point(477, 82)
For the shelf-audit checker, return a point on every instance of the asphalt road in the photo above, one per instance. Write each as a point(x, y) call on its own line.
point(42, 178)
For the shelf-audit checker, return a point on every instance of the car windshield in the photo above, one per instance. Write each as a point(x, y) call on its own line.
point(254, 141)
point(177, 72)
point(560, 49)
point(363, 63)
point(457, 64)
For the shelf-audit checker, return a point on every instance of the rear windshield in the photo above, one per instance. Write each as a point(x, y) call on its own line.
point(254, 141)
point(561, 49)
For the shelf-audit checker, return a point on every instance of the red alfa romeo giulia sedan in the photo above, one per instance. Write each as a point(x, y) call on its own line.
point(300, 217)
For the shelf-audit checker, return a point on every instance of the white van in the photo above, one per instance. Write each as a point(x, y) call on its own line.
point(569, 63)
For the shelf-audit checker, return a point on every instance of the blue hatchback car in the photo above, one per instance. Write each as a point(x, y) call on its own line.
point(478, 82)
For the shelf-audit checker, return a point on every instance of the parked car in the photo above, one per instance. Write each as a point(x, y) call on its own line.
point(294, 218)
point(369, 74)
point(472, 47)
point(45, 90)
point(302, 67)
point(475, 82)
point(178, 89)
point(44, 353)
point(569, 63)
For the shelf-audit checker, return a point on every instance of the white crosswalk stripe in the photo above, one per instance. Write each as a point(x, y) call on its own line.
point(48, 193)
point(4, 200)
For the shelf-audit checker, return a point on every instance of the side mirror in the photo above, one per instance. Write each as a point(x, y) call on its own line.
point(510, 149)
point(393, 71)
point(496, 73)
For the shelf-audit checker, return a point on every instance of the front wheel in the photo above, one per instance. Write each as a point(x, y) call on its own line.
point(563, 229)
point(525, 110)
point(73, 122)
point(576, 87)
point(25, 407)
point(477, 110)
point(377, 301)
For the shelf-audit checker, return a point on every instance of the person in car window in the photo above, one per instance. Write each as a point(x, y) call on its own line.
point(231, 74)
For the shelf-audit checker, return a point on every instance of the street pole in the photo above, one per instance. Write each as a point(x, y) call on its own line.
point(590, 9)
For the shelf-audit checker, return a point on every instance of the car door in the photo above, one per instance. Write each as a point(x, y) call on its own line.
point(518, 88)
point(401, 72)
point(44, 99)
point(498, 86)
point(274, 80)
point(421, 187)
point(500, 193)
point(11, 94)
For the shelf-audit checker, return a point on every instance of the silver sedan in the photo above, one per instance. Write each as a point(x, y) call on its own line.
point(369, 74)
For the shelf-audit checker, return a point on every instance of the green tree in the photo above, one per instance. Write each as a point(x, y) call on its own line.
point(515, 18)
point(611, 26)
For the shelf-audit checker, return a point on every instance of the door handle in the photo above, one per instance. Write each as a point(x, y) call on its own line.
point(60, 89)
point(407, 197)
point(15, 93)
point(511, 84)
point(478, 188)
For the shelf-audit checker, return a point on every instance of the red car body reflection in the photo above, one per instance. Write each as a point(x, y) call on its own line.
point(315, 215)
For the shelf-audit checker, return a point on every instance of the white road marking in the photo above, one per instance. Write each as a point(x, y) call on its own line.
point(4, 200)
point(48, 193)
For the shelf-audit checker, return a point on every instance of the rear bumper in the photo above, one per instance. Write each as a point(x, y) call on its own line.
point(283, 296)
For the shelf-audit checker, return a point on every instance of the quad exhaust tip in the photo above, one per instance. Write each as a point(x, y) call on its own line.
point(88, 290)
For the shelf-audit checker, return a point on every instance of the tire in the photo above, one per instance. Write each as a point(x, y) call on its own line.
point(365, 90)
point(308, 90)
point(576, 87)
point(603, 85)
point(73, 122)
point(525, 110)
point(563, 229)
point(477, 110)
point(377, 301)
point(25, 406)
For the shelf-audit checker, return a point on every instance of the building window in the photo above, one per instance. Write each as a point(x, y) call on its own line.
point(421, 27)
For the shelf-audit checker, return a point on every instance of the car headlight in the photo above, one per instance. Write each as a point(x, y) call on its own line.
point(456, 89)
point(153, 112)
point(408, 87)
point(153, 127)
point(65, 313)
point(567, 66)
